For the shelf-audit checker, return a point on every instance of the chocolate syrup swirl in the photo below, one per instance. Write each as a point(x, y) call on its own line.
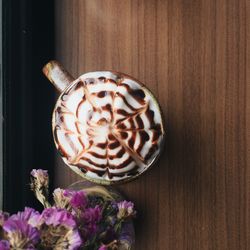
point(108, 126)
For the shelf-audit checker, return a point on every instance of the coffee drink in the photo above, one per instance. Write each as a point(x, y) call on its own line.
point(108, 127)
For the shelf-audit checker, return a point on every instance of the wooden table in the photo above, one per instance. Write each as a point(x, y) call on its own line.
point(195, 57)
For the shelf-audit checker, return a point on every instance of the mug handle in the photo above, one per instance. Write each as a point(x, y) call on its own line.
point(57, 75)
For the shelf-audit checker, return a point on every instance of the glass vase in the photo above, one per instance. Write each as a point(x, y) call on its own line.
point(126, 237)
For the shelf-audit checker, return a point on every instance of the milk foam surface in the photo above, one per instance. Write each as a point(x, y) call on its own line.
point(108, 125)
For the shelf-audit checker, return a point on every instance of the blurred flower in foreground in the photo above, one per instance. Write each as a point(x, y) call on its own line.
point(57, 217)
point(125, 210)
point(78, 199)
point(103, 248)
point(111, 246)
point(3, 217)
point(4, 245)
point(61, 201)
point(41, 176)
point(89, 220)
point(71, 241)
point(30, 215)
point(40, 185)
point(58, 229)
point(20, 234)
point(70, 199)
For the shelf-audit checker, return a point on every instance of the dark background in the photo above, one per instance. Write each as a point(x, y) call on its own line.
point(28, 43)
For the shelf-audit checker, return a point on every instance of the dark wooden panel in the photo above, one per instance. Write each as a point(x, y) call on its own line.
point(28, 39)
point(195, 56)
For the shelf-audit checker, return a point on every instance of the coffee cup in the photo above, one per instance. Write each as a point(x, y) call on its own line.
point(107, 126)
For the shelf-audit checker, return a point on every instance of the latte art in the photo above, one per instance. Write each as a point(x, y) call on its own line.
point(108, 126)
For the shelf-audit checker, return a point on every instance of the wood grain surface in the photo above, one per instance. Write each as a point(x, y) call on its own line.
point(195, 57)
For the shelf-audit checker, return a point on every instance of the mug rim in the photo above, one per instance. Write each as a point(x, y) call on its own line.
point(127, 179)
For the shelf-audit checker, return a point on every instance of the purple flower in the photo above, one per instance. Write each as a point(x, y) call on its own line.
point(103, 247)
point(58, 229)
point(3, 217)
point(30, 215)
point(20, 234)
point(4, 245)
point(58, 217)
point(41, 176)
point(92, 215)
point(78, 200)
point(68, 193)
point(60, 199)
point(125, 210)
point(90, 219)
point(70, 199)
point(71, 241)
point(111, 245)
point(40, 185)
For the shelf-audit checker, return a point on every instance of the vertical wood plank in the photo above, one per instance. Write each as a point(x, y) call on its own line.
point(195, 57)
